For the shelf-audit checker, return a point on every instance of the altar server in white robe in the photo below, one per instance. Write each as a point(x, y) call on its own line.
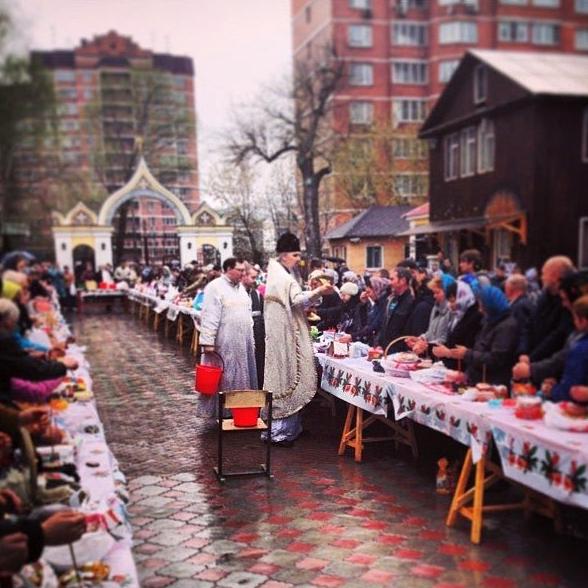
point(226, 328)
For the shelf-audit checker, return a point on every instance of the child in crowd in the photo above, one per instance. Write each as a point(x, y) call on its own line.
point(574, 380)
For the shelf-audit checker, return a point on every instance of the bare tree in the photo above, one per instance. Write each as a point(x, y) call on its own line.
point(234, 188)
point(137, 115)
point(380, 164)
point(297, 121)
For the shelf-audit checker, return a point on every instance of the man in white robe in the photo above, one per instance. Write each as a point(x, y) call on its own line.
point(226, 328)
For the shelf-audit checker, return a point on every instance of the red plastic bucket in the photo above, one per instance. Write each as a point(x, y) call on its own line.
point(245, 417)
point(207, 378)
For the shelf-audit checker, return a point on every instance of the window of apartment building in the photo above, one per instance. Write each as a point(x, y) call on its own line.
point(408, 110)
point(480, 83)
point(451, 153)
point(545, 33)
point(373, 256)
point(583, 243)
point(446, 69)
point(361, 112)
point(67, 93)
point(65, 75)
point(546, 3)
point(410, 72)
point(468, 152)
point(409, 148)
point(360, 4)
point(513, 31)
point(68, 109)
point(486, 146)
point(361, 74)
point(458, 32)
point(409, 185)
point(582, 39)
point(359, 36)
point(582, 6)
point(409, 34)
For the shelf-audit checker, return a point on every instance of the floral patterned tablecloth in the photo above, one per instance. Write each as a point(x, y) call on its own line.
point(355, 382)
point(550, 461)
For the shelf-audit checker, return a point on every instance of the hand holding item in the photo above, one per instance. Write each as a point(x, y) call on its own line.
point(547, 386)
point(35, 418)
point(420, 346)
point(441, 351)
point(69, 362)
point(579, 393)
point(63, 527)
point(410, 341)
point(458, 352)
point(14, 551)
point(9, 501)
point(521, 370)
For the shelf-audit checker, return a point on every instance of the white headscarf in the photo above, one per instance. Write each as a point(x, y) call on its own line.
point(464, 299)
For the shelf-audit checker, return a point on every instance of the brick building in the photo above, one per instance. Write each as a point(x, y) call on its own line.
point(106, 88)
point(400, 54)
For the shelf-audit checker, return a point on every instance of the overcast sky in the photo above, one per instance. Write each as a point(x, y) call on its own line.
point(237, 45)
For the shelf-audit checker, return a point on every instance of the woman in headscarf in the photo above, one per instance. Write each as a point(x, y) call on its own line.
point(494, 352)
point(289, 358)
point(465, 320)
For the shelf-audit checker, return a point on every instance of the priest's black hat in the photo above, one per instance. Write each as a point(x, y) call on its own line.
point(288, 243)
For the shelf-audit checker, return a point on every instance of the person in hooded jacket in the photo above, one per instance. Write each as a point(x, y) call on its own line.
point(494, 352)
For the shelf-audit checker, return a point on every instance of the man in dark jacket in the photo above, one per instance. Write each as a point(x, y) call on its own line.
point(249, 282)
point(398, 310)
point(515, 289)
point(552, 323)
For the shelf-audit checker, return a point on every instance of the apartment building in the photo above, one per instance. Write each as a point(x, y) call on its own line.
point(112, 93)
point(400, 55)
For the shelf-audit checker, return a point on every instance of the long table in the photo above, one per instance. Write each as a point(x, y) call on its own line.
point(149, 304)
point(102, 480)
point(547, 461)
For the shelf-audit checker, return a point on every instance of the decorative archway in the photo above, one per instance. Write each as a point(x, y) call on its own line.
point(82, 225)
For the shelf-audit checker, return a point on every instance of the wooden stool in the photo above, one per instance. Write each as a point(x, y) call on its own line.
point(243, 399)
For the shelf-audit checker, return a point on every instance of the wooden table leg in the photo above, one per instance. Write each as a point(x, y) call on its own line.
point(346, 429)
point(477, 514)
point(358, 434)
point(460, 489)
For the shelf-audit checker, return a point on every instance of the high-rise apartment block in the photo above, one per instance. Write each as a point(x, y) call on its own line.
point(400, 54)
point(115, 100)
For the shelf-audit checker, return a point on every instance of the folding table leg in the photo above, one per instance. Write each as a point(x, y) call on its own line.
point(460, 489)
point(346, 429)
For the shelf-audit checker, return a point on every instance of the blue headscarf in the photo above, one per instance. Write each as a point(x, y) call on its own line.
point(494, 302)
point(446, 281)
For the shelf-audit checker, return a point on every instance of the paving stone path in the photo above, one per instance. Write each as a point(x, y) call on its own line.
point(323, 520)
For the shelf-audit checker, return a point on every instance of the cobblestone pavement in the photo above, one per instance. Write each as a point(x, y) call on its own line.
point(322, 521)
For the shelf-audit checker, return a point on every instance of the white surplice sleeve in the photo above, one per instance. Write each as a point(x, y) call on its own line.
point(211, 315)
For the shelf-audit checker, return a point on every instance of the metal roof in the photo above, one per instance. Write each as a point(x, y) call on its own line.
point(558, 74)
point(376, 221)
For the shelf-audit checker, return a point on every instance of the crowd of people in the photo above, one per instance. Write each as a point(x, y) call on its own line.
point(495, 328)
point(32, 365)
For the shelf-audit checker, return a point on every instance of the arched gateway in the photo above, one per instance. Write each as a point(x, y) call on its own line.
point(81, 226)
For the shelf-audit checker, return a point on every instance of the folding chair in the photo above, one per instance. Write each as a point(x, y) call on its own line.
point(243, 399)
